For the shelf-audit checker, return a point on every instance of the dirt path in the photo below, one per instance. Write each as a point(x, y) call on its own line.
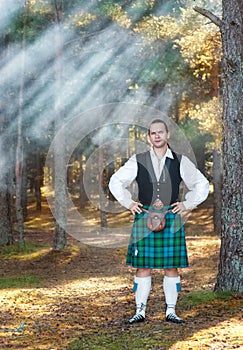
point(80, 299)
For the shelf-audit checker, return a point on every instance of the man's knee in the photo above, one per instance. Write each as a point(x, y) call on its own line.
point(143, 272)
point(171, 272)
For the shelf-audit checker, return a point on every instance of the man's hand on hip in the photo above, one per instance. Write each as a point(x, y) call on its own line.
point(136, 208)
point(178, 207)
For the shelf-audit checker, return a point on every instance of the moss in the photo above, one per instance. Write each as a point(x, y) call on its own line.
point(19, 282)
point(204, 297)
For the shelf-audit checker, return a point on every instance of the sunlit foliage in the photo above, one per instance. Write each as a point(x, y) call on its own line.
point(209, 116)
point(199, 43)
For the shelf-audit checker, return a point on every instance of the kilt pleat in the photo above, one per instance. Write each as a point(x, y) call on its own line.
point(164, 249)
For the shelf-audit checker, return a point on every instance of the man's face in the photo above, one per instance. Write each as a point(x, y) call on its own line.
point(158, 136)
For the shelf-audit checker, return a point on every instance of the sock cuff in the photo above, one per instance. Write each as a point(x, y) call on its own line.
point(170, 282)
point(142, 279)
point(176, 279)
point(142, 282)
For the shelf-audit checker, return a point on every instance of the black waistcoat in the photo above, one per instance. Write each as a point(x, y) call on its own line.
point(167, 188)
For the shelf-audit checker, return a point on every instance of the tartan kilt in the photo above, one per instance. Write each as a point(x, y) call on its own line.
point(160, 250)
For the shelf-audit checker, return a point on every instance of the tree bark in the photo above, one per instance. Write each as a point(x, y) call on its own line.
point(230, 276)
point(217, 184)
point(103, 218)
point(6, 186)
point(83, 198)
point(38, 179)
point(24, 194)
point(20, 146)
point(6, 226)
point(6, 161)
point(60, 180)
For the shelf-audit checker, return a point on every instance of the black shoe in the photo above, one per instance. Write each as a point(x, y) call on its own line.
point(174, 318)
point(136, 319)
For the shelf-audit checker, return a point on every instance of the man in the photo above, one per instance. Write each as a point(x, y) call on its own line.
point(158, 173)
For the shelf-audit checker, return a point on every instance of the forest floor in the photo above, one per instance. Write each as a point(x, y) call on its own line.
point(81, 297)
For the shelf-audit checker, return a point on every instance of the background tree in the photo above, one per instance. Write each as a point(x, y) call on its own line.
point(230, 276)
point(150, 52)
point(6, 159)
point(6, 181)
point(60, 182)
point(19, 167)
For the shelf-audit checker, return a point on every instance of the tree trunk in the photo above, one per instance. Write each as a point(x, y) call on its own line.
point(19, 150)
point(103, 218)
point(6, 227)
point(6, 187)
point(6, 161)
point(217, 184)
point(18, 173)
point(38, 179)
point(215, 80)
point(217, 163)
point(83, 198)
point(60, 239)
point(24, 196)
point(230, 276)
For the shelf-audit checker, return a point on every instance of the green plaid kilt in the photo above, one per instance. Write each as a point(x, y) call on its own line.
point(160, 250)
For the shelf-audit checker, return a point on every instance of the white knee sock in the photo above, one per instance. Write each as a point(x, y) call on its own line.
point(142, 286)
point(171, 288)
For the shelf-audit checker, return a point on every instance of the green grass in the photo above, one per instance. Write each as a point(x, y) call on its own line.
point(130, 340)
point(19, 282)
point(17, 251)
point(147, 338)
point(204, 297)
point(125, 338)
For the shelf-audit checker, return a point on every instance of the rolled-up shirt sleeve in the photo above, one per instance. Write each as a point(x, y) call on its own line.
point(121, 179)
point(196, 183)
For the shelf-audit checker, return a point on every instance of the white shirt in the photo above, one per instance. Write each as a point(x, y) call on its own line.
point(195, 181)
